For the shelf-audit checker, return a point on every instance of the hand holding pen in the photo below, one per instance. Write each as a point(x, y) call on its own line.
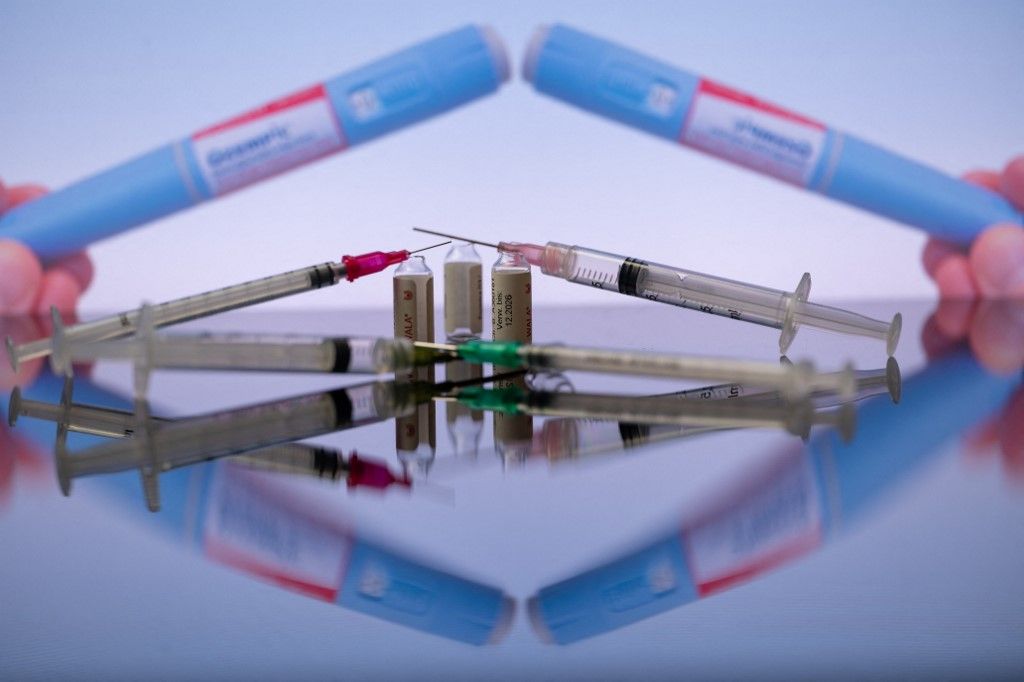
point(993, 265)
point(25, 287)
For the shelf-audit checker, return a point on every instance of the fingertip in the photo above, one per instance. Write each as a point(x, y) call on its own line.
point(59, 289)
point(953, 317)
point(980, 440)
point(936, 251)
point(954, 279)
point(22, 274)
point(22, 193)
point(997, 336)
point(1011, 436)
point(985, 178)
point(78, 266)
point(934, 339)
point(997, 260)
point(1012, 182)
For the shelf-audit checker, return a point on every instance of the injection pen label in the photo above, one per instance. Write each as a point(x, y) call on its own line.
point(778, 522)
point(269, 140)
point(247, 531)
point(752, 133)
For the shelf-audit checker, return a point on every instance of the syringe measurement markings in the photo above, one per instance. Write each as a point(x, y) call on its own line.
point(595, 277)
point(262, 289)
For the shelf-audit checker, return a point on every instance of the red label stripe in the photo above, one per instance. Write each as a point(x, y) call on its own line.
point(295, 99)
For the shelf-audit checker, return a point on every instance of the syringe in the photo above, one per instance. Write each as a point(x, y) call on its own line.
point(697, 291)
point(242, 430)
point(291, 458)
point(791, 381)
point(870, 382)
point(241, 352)
point(796, 418)
point(219, 300)
point(374, 355)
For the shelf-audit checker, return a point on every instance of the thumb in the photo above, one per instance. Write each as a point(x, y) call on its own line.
point(20, 278)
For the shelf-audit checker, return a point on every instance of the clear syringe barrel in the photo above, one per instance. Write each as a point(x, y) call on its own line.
point(77, 418)
point(869, 383)
point(792, 381)
point(112, 423)
point(795, 418)
point(267, 353)
point(567, 438)
point(200, 438)
point(698, 291)
point(188, 308)
point(297, 458)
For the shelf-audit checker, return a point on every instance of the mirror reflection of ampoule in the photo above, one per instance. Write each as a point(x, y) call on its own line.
point(463, 321)
point(512, 320)
point(415, 434)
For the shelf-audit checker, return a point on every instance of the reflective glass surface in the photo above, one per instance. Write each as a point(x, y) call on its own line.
point(583, 548)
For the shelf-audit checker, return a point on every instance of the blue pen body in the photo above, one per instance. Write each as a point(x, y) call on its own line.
point(804, 499)
point(945, 400)
point(235, 517)
point(391, 93)
point(616, 82)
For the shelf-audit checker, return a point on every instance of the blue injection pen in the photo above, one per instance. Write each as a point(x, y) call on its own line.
point(238, 518)
point(614, 81)
point(407, 87)
point(805, 499)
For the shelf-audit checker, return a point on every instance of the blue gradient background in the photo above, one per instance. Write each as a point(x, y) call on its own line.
point(87, 85)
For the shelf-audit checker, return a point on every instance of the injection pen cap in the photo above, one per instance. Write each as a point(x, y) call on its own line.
point(648, 581)
point(608, 79)
point(382, 583)
point(419, 82)
point(499, 53)
point(533, 48)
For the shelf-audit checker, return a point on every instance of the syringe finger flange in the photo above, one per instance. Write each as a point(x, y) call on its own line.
point(893, 340)
point(799, 419)
point(789, 324)
point(12, 354)
point(64, 464)
point(894, 379)
point(14, 407)
point(843, 383)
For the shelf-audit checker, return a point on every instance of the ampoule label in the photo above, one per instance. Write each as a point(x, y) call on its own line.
point(269, 140)
point(414, 321)
point(775, 524)
point(414, 309)
point(512, 306)
point(511, 320)
point(761, 136)
point(463, 297)
point(249, 531)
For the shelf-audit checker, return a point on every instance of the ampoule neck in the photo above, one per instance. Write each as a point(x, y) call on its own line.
point(512, 259)
point(462, 253)
point(414, 265)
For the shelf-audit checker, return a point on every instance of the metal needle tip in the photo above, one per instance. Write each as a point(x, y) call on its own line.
point(454, 236)
point(427, 248)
